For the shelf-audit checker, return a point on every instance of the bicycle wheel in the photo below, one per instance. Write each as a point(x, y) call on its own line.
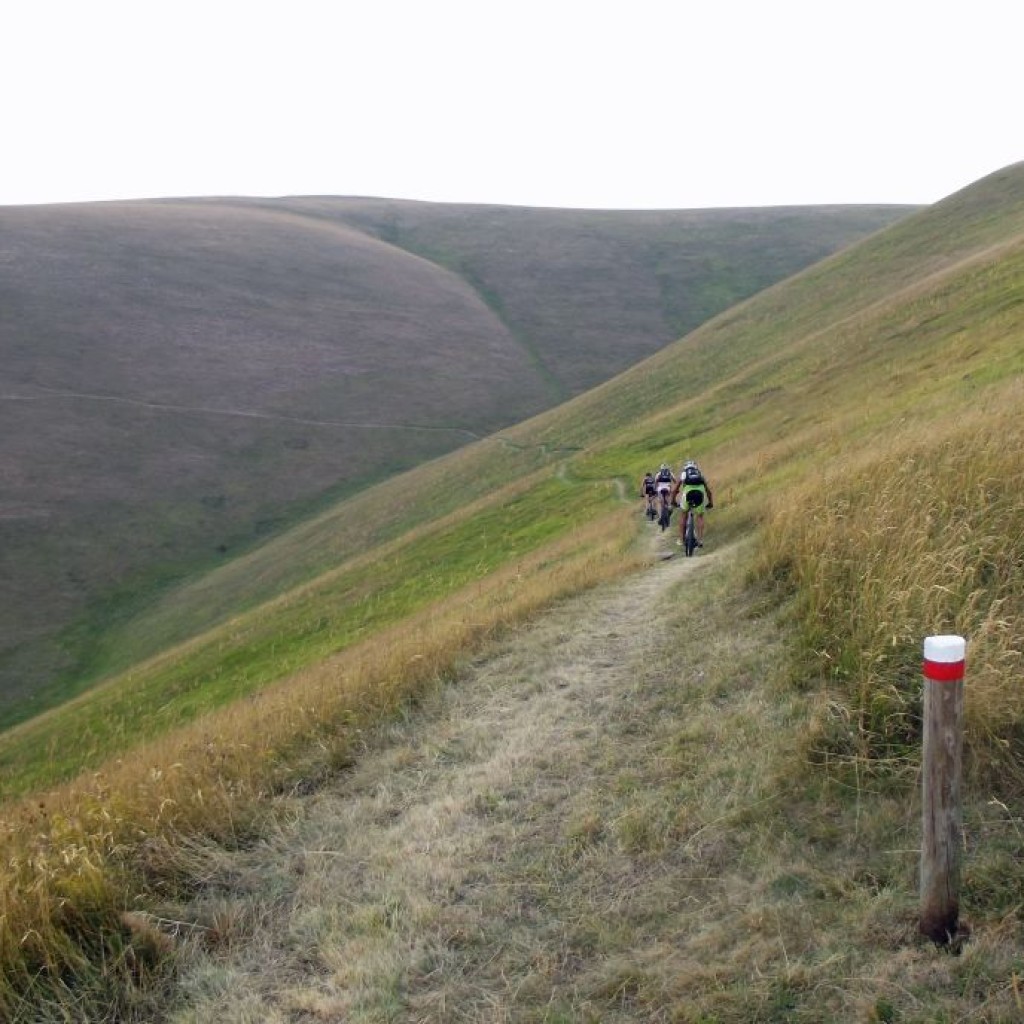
point(690, 540)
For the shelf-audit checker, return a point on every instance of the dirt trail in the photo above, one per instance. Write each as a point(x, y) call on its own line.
point(607, 819)
point(444, 877)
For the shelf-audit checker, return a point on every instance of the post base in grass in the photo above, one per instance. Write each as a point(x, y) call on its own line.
point(953, 939)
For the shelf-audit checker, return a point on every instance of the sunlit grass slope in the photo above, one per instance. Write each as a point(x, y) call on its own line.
point(762, 392)
point(843, 397)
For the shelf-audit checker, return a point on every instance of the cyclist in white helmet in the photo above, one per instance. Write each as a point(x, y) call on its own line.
point(663, 482)
point(692, 493)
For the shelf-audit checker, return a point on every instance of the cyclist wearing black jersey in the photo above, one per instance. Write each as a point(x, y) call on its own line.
point(649, 492)
point(663, 483)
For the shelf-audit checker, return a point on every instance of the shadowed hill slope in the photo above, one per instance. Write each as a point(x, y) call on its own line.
point(589, 292)
point(176, 380)
point(180, 379)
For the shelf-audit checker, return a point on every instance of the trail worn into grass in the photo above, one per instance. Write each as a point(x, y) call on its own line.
point(493, 855)
point(590, 824)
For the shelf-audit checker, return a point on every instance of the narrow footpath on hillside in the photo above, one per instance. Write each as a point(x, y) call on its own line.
point(552, 837)
point(545, 839)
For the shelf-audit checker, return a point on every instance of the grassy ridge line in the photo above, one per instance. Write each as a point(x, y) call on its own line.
point(83, 845)
point(735, 348)
point(622, 278)
point(807, 395)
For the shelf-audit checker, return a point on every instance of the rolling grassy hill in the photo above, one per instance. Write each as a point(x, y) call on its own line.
point(181, 380)
point(861, 424)
point(589, 293)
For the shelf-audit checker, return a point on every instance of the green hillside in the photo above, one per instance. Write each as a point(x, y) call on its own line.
point(861, 425)
point(808, 367)
point(183, 379)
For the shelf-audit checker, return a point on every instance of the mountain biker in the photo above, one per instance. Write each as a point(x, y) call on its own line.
point(649, 492)
point(664, 482)
point(693, 494)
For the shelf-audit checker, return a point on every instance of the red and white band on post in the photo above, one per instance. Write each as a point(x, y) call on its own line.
point(944, 658)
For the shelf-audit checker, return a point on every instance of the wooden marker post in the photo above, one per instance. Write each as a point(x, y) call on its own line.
point(944, 661)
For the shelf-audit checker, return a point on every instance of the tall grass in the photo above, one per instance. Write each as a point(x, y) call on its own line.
point(302, 626)
point(921, 535)
point(76, 863)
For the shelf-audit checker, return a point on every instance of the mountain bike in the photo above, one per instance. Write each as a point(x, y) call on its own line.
point(665, 516)
point(690, 542)
point(690, 534)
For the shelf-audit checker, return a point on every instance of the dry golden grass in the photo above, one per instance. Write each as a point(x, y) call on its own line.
point(459, 832)
point(81, 847)
point(918, 536)
point(608, 821)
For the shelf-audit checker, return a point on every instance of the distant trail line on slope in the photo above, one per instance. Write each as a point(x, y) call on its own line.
point(55, 393)
point(544, 448)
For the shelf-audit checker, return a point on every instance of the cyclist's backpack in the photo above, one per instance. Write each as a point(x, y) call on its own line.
point(693, 475)
point(664, 475)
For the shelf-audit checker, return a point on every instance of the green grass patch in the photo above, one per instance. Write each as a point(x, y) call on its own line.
point(302, 628)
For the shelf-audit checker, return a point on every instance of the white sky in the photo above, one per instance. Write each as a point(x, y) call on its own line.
point(582, 103)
